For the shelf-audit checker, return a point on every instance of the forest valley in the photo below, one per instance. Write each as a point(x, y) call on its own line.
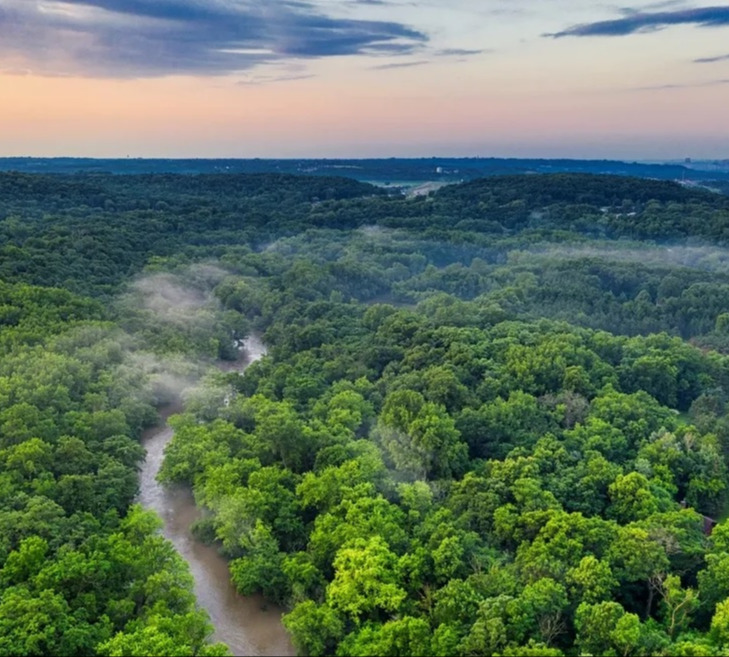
point(492, 420)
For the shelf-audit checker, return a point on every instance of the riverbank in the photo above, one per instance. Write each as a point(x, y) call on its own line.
point(248, 625)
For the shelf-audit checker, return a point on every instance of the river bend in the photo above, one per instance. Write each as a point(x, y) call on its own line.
point(246, 624)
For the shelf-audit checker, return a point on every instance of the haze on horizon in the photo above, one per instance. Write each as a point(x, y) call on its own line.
point(364, 78)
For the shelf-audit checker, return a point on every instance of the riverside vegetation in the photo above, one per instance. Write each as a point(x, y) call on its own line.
point(492, 421)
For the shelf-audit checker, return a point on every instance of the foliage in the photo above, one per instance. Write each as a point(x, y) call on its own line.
point(490, 420)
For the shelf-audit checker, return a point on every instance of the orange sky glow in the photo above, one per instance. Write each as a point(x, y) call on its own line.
point(507, 91)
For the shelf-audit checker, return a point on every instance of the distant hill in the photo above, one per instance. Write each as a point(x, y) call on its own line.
point(573, 188)
point(392, 171)
point(613, 206)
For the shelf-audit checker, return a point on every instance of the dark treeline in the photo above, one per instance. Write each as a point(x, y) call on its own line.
point(492, 420)
point(391, 170)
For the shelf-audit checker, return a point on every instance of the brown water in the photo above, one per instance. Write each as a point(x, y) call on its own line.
point(246, 624)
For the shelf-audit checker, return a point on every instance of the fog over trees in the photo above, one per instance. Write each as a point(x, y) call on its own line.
point(491, 421)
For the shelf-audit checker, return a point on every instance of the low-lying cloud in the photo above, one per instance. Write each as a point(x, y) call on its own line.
point(703, 258)
point(183, 300)
point(151, 38)
point(169, 298)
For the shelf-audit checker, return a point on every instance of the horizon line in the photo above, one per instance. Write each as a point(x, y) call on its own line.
point(678, 160)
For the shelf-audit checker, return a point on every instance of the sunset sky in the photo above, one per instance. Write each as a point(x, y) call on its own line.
point(364, 78)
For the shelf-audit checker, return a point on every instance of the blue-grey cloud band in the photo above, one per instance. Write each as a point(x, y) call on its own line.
point(148, 38)
point(685, 85)
point(385, 67)
point(712, 60)
point(643, 22)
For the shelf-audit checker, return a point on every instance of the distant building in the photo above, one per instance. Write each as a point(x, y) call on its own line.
point(709, 524)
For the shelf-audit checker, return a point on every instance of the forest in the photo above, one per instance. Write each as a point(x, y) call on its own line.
point(493, 420)
point(392, 170)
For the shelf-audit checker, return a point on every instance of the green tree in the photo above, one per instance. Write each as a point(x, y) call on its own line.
point(315, 629)
point(421, 437)
point(365, 579)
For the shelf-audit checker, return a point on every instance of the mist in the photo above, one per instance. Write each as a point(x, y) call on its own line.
point(173, 299)
point(703, 258)
point(173, 333)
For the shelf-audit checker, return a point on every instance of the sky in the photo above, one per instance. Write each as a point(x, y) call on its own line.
point(364, 78)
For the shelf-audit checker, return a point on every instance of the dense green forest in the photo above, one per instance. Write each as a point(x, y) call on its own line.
point(492, 420)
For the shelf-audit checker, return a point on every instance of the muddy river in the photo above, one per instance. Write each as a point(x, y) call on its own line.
point(246, 624)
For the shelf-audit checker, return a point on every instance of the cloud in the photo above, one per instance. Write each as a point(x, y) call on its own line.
point(445, 52)
point(711, 60)
point(636, 21)
point(149, 38)
point(20, 72)
point(258, 80)
point(681, 85)
point(384, 67)
point(459, 52)
point(665, 4)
